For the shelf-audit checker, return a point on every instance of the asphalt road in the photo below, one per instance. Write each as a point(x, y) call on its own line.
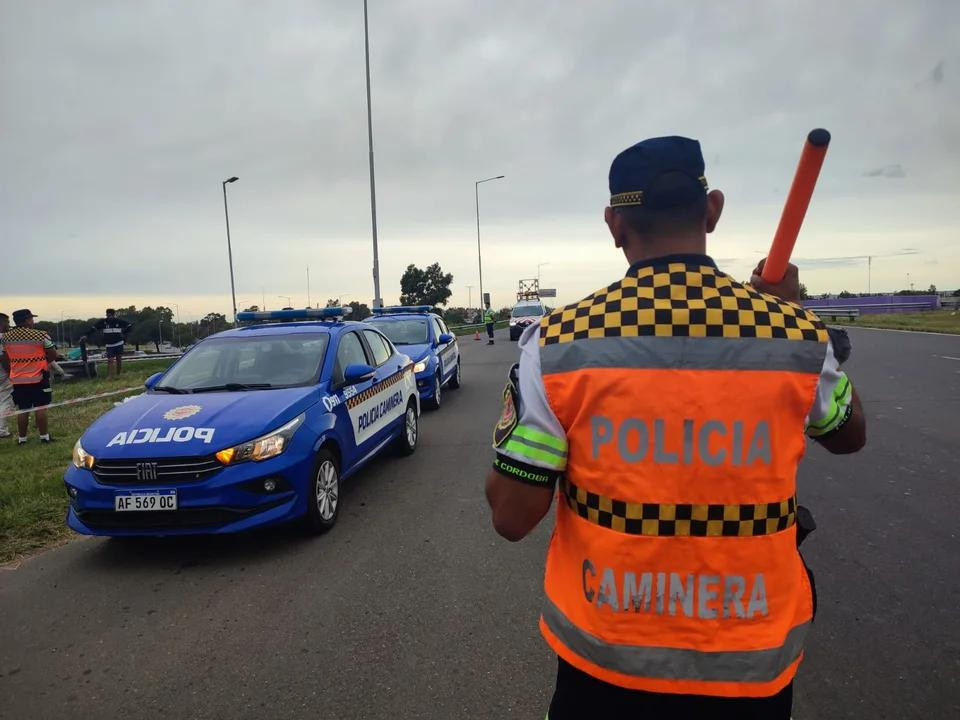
point(413, 608)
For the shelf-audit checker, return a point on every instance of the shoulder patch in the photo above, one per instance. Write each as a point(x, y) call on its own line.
point(508, 416)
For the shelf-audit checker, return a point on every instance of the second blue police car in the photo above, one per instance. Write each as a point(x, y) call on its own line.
point(253, 426)
point(426, 339)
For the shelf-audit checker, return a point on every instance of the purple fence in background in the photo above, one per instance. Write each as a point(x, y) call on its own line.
point(879, 303)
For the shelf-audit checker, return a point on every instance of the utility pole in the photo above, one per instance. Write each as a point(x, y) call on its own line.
point(377, 300)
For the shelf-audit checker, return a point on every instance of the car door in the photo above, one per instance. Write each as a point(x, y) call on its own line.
point(449, 353)
point(388, 402)
point(355, 443)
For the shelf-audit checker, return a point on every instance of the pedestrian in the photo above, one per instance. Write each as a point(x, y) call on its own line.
point(6, 389)
point(115, 331)
point(490, 320)
point(25, 354)
point(671, 408)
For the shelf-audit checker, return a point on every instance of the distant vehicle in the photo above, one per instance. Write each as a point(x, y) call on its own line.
point(254, 426)
point(523, 314)
point(426, 339)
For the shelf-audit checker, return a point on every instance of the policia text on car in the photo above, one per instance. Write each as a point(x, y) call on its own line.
point(671, 408)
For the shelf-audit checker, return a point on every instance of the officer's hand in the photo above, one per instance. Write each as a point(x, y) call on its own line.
point(787, 289)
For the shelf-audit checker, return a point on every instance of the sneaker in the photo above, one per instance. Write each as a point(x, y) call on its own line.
point(21, 440)
point(4, 433)
point(46, 439)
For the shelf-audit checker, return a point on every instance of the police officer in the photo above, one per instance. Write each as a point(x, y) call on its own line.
point(25, 354)
point(115, 331)
point(490, 320)
point(671, 408)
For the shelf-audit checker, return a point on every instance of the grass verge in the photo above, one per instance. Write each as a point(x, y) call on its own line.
point(939, 321)
point(33, 503)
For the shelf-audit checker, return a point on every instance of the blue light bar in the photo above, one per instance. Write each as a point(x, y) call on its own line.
point(329, 313)
point(402, 309)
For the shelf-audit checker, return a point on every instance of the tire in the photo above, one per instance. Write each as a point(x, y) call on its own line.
point(456, 381)
point(434, 402)
point(407, 442)
point(323, 501)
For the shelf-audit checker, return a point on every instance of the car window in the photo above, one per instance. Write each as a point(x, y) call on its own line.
point(381, 350)
point(409, 331)
point(437, 330)
point(526, 310)
point(350, 352)
point(443, 326)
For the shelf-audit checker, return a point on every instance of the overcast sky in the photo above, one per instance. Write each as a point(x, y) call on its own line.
point(120, 119)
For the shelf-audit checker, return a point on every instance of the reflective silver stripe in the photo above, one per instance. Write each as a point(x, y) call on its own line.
point(668, 663)
point(685, 353)
point(116, 344)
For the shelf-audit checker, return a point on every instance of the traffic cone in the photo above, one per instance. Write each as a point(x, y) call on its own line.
point(477, 336)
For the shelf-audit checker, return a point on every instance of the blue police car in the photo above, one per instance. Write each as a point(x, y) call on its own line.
point(253, 426)
point(426, 339)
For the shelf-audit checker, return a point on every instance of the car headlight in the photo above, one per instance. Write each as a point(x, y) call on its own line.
point(420, 366)
point(81, 458)
point(264, 447)
point(513, 322)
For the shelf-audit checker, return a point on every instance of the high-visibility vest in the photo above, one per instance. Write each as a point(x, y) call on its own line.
point(488, 316)
point(673, 566)
point(28, 356)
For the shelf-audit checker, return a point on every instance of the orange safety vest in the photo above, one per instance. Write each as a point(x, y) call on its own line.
point(28, 356)
point(673, 566)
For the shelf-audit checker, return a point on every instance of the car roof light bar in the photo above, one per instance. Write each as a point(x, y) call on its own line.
point(328, 313)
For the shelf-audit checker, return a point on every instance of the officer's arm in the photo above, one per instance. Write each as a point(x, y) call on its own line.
point(516, 508)
point(50, 350)
point(531, 448)
point(836, 420)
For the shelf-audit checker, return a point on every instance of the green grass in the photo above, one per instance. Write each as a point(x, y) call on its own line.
point(940, 321)
point(33, 503)
point(482, 328)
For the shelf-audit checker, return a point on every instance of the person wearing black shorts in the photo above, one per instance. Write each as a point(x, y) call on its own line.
point(114, 331)
point(25, 354)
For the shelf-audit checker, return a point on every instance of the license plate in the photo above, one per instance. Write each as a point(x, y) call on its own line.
point(166, 500)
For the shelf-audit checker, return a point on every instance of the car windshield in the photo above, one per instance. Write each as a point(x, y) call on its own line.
point(247, 363)
point(409, 331)
point(526, 311)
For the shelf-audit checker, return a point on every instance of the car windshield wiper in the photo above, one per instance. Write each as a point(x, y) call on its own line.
point(232, 387)
point(169, 389)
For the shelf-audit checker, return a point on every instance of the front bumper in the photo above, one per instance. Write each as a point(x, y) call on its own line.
point(231, 500)
point(425, 385)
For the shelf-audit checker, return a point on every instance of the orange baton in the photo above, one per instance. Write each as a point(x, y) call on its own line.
point(811, 160)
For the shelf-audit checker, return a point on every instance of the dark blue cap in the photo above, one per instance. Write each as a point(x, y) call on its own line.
point(658, 173)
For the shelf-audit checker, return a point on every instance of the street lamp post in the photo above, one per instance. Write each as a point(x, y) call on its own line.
point(476, 194)
point(176, 323)
point(377, 300)
point(288, 298)
point(226, 215)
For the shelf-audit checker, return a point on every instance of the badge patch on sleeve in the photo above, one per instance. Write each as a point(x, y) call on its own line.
point(508, 416)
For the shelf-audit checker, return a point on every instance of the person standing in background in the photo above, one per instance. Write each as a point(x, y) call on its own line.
point(25, 354)
point(6, 389)
point(114, 335)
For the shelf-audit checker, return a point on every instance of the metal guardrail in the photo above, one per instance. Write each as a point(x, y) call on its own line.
point(837, 312)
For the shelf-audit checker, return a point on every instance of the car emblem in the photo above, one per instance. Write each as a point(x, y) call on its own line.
point(179, 413)
point(146, 471)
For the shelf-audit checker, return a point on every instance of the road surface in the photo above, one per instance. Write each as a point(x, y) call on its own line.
point(413, 608)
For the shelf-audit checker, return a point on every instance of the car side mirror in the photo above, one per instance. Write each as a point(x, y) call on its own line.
point(357, 372)
point(152, 380)
point(445, 338)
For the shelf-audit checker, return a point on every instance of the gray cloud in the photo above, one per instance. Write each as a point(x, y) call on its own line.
point(887, 171)
point(121, 119)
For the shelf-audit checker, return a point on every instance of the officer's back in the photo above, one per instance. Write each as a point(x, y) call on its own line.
point(671, 406)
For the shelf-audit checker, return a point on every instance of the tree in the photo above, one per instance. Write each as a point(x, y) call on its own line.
point(803, 292)
point(360, 311)
point(845, 294)
point(252, 308)
point(932, 289)
point(212, 323)
point(425, 287)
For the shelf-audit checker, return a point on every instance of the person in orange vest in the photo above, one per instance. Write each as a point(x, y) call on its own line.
point(25, 354)
point(671, 408)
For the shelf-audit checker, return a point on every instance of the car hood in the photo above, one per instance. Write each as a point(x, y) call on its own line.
point(161, 425)
point(416, 353)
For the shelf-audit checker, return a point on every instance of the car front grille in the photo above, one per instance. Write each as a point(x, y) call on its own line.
point(153, 471)
point(200, 517)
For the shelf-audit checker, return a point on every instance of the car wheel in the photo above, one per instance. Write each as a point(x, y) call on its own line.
point(323, 501)
point(455, 381)
point(434, 402)
point(407, 442)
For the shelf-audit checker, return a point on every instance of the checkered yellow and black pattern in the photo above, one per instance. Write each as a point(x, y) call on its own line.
point(378, 388)
point(675, 300)
point(680, 520)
